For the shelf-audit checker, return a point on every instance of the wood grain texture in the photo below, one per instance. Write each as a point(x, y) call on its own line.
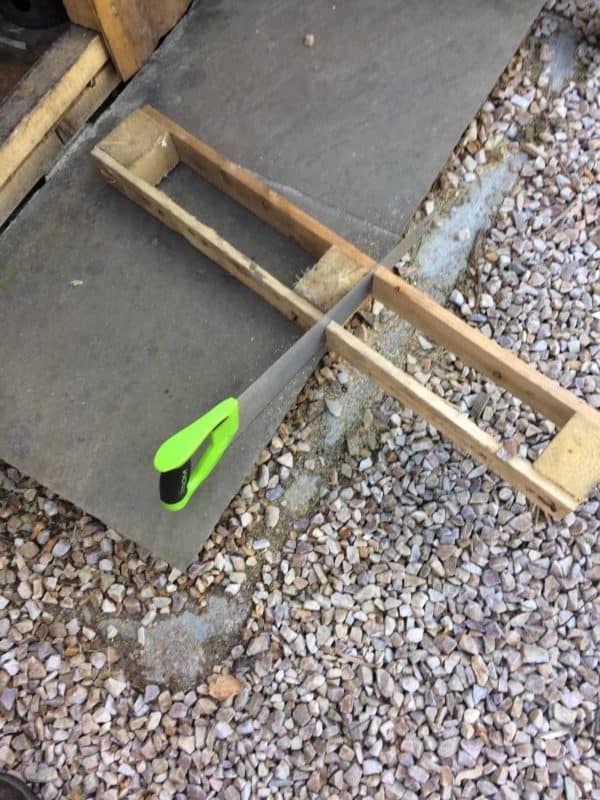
point(572, 459)
point(34, 126)
point(142, 146)
point(42, 77)
point(44, 154)
point(327, 281)
point(450, 422)
point(131, 28)
point(89, 101)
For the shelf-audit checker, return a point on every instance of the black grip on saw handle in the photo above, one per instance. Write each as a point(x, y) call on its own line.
point(172, 485)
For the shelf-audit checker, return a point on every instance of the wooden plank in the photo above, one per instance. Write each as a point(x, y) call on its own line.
point(207, 240)
point(483, 354)
point(43, 117)
point(127, 34)
point(450, 422)
point(142, 146)
point(440, 324)
point(502, 366)
point(327, 281)
point(32, 169)
point(572, 459)
point(42, 77)
point(43, 156)
point(131, 29)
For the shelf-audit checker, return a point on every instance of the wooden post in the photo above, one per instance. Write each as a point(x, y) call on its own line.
point(131, 30)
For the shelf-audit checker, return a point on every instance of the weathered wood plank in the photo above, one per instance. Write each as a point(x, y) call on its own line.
point(44, 154)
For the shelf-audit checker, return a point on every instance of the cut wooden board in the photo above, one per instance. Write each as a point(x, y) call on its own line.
point(480, 352)
point(572, 459)
point(334, 274)
point(51, 103)
point(131, 29)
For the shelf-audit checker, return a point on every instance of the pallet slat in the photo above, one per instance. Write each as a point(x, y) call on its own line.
point(208, 241)
point(70, 82)
point(131, 29)
point(34, 126)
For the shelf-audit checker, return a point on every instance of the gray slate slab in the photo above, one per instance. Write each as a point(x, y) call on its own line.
point(355, 129)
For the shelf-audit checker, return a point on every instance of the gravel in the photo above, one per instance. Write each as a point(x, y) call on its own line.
point(418, 630)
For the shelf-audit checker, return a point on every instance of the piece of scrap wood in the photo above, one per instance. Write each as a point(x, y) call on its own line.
point(572, 459)
point(327, 281)
point(39, 120)
point(142, 145)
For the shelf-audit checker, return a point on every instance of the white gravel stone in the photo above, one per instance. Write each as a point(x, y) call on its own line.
point(115, 687)
point(271, 518)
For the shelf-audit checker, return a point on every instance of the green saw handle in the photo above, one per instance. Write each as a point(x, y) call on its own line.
point(173, 459)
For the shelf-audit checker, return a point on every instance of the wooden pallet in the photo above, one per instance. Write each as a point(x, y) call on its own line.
point(50, 103)
point(146, 146)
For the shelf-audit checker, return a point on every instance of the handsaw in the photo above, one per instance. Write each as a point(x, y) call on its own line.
point(207, 438)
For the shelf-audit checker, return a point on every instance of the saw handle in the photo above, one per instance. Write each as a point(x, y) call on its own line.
point(178, 478)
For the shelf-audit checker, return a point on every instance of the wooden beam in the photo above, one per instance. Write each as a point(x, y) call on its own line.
point(25, 115)
point(35, 125)
point(483, 354)
point(131, 29)
point(450, 422)
point(207, 240)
